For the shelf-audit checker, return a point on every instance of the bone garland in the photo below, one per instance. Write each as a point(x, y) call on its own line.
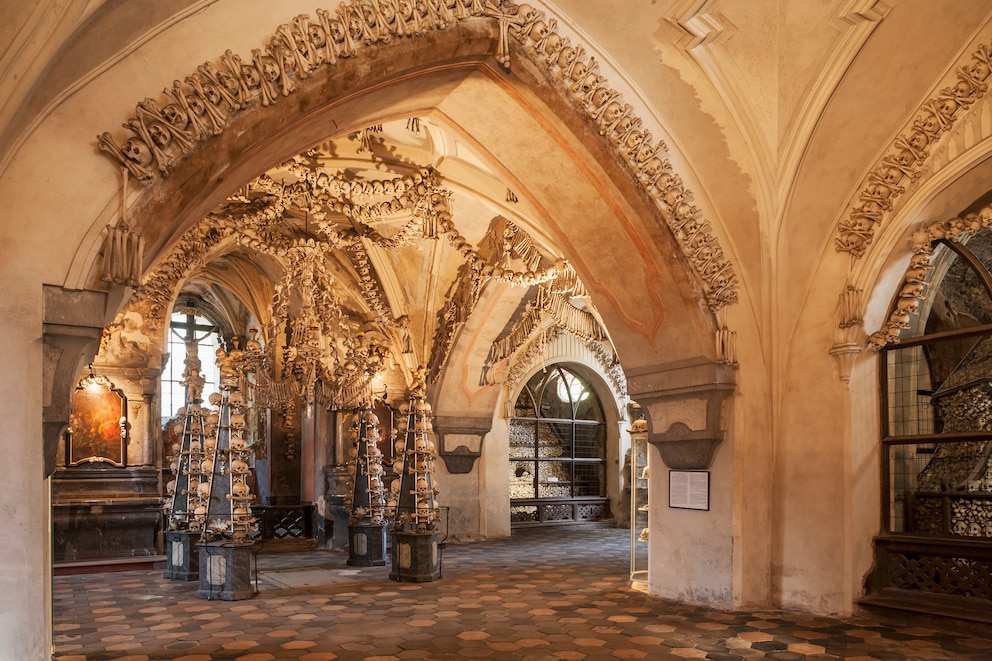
point(371, 287)
point(915, 282)
point(610, 363)
point(200, 105)
point(910, 151)
point(534, 351)
point(615, 120)
point(553, 302)
point(503, 242)
point(262, 229)
point(504, 347)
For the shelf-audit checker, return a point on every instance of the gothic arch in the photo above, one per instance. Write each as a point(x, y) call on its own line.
point(549, 87)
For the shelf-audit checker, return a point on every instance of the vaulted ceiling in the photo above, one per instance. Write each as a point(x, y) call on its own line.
point(772, 112)
point(408, 224)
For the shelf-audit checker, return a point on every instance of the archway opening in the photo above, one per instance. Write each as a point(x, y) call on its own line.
point(935, 403)
point(557, 463)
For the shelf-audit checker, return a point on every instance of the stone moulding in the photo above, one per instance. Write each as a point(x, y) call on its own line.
point(684, 449)
point(162, 132)
point(904, 162)
point(914, 281)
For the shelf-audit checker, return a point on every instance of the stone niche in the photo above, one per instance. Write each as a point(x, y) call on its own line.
point(105, 512)
point(106, 501)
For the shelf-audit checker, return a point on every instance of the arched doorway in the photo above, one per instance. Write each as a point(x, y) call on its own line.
point(571, 200)
point(557, 458)
point(936, 422)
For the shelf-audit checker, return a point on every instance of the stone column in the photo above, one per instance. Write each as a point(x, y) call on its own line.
point(691, 551)
point(460, 443)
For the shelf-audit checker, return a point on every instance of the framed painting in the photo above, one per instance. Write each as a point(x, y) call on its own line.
point(97, 424)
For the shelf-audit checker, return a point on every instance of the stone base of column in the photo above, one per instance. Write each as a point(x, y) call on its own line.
point(182, 556)
point(416, 557)
point(366, 545)
point(225, 571)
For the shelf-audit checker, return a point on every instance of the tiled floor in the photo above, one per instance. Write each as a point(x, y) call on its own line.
point(549, 594)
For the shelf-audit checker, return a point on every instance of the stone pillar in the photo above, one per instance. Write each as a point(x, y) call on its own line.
point(688, 410)
point(336, 513)
point(460, 442)
point(73, 325)
point(332, 514)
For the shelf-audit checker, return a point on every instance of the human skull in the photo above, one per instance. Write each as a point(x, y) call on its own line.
point(526, 12)
point(879, 191)
point(919, 140)
point(136, 150)
point(890, 175)
point(905, 157)
point(159, 134)
point(270, 68)
point(613, 111)
point(566, 56)
point(317, 35)
point(539, 30)
point(907, 306)
point(196, 104)
point(930, 123)
point(250, 76)
point(212, 93)
point(949, 106)
point(229, 82)
point(337, 30)
point(655, 167)
point(175, 115)
point(911, 290)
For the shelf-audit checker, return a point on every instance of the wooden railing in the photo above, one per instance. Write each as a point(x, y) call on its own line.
point(940, 576)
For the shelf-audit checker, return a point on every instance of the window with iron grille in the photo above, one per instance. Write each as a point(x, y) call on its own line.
point(557, 439)
point(936, 394)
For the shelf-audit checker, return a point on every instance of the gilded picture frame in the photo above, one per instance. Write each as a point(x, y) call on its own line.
point(98, 424)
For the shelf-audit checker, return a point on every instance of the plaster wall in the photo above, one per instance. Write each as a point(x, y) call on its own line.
point(25, 632)
point(494, 481)
point(691, 551)
point(812, 481)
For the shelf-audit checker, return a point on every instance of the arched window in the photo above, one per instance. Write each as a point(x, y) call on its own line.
point(936, 396)
point(557, 450)
point(188, 329)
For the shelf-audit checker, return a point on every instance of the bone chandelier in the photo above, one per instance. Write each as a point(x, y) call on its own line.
point(331, 201)
point(317, 350)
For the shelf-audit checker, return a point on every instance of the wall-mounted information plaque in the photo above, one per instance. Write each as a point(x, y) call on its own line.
point(689, 490)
